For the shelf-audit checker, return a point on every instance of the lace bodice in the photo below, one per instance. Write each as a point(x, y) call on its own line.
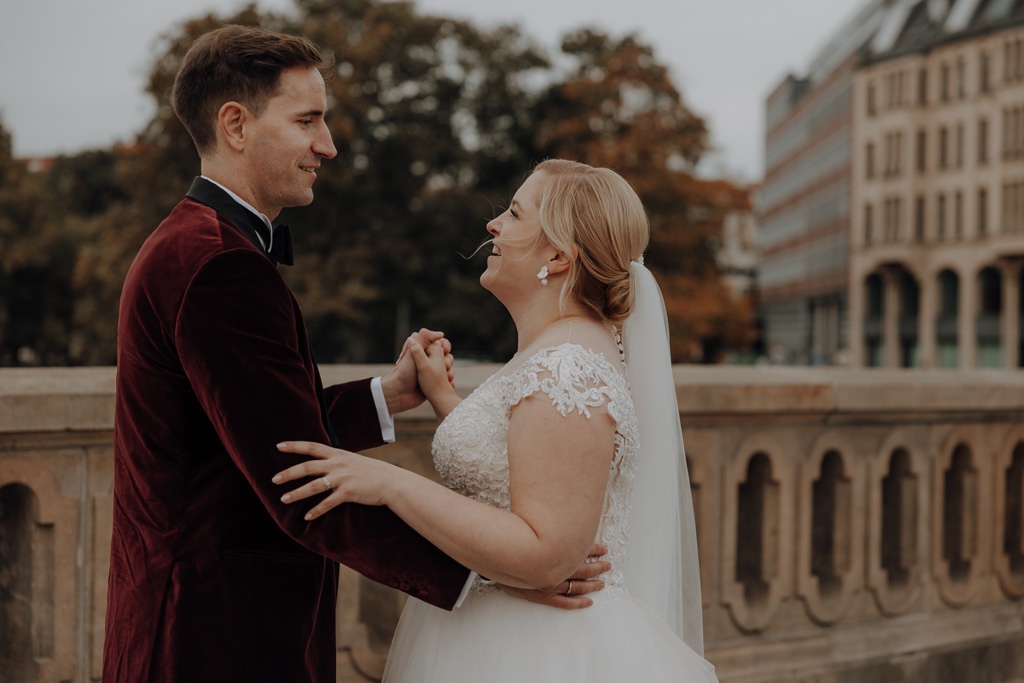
point(470, 448)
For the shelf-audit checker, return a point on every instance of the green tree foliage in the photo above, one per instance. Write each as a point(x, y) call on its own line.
point(436, 123)
point(38, 247)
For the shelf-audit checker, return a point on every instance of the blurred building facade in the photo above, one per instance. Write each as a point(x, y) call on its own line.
point(937, 232)
point(804, 203)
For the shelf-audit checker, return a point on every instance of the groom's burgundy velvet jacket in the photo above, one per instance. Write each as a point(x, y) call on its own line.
point(211, 577)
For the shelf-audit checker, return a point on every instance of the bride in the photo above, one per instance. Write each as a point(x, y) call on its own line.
point(576, 438)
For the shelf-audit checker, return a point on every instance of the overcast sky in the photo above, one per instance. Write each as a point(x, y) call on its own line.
point(72, 71)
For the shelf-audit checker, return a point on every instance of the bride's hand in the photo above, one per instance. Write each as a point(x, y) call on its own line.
point(345, 476)
point(434, 374)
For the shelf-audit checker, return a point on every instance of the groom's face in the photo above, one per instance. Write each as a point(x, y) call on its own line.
point(287, 142)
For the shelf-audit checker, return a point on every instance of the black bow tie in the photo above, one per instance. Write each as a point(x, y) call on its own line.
point(281, 246)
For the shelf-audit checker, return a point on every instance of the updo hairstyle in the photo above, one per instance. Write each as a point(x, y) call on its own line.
point(596, 216)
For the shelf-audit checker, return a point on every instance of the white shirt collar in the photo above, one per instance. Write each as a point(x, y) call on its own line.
point(252, 208)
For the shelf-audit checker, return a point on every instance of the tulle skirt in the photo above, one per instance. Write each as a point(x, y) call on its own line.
point(493, 638)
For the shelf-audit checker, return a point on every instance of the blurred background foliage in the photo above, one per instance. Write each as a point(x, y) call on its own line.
point(436, 121)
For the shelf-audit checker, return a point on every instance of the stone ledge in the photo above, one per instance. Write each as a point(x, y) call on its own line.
point(82, 399)
point(918, 634)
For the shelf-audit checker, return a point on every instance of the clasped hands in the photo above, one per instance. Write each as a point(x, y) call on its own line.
point(352, 478)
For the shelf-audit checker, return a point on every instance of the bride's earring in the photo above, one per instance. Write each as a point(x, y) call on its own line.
point(543, 275)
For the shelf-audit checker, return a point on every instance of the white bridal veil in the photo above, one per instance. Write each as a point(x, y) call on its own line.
point(662, 568)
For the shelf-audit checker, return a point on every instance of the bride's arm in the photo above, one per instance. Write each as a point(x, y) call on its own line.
point(558, 467)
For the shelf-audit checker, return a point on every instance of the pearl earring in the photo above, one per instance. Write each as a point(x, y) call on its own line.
point(543, 275)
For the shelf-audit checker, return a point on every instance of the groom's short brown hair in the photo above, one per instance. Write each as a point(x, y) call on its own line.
point(235, 63)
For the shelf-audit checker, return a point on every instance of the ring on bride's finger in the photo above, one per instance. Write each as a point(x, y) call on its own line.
point(327, 483)
point(568, 591)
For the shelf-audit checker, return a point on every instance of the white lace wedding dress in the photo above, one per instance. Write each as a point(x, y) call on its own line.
point(493, 637)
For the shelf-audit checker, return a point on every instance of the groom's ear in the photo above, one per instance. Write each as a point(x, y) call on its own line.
point(231, 120)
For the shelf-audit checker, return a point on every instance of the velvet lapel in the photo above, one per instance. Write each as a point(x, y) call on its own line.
point(248, 223)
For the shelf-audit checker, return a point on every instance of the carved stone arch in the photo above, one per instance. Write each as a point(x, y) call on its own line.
point(960, 508)
point(907, 483)
point(1008, 496)
point(757, 485)
point(830, 528)
point(53, 521)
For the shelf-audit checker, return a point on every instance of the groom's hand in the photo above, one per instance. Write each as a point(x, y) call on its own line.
point(571, 593)
point(400, 386)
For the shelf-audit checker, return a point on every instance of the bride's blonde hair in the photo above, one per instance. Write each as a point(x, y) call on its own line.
point(595, 216)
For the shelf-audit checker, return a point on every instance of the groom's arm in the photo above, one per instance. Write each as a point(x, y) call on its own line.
point(244, 351)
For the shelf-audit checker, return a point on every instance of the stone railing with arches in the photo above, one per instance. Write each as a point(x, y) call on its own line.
point(855, 525)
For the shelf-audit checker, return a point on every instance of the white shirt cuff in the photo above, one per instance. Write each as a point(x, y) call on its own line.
point(387, 423)
point(465, 590)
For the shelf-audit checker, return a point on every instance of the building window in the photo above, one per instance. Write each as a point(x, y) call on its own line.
point(922, 151)
point(893, 146)
point(1013, 132)
point(940, 217)
point(891, 210)
point(869, 219)
point(944, 83)
point(984, 77)
point(982, 141)
point(958, 215)
point(919, 218)
point(1006, 206)
point(871, 99)
point(982, 212)
point(869, 161)
point(1012, 206)
point(1013, 67)
point(898, 154)
point(922, 87)
point(1007, 130)
point(959, 145)
point(1018, 66)
point(943, 143)
point(961, 78)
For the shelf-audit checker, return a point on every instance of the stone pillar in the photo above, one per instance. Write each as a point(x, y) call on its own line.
point(891, 317)
point(926, 318)
point(1009, 317)
point(967, 324)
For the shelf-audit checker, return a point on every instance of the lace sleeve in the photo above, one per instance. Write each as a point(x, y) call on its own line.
point(574, 378)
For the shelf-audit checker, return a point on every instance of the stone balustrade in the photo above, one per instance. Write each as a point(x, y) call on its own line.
point(854, 525)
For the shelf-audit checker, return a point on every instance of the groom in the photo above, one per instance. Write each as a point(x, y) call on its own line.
point(211, 577)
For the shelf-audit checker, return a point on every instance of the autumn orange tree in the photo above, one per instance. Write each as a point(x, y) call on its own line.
point(619, 108)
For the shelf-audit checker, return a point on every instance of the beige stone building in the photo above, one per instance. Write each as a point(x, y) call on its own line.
point(937, 190)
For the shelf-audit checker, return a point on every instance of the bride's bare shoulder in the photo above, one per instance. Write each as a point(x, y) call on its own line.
point(590, 334)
